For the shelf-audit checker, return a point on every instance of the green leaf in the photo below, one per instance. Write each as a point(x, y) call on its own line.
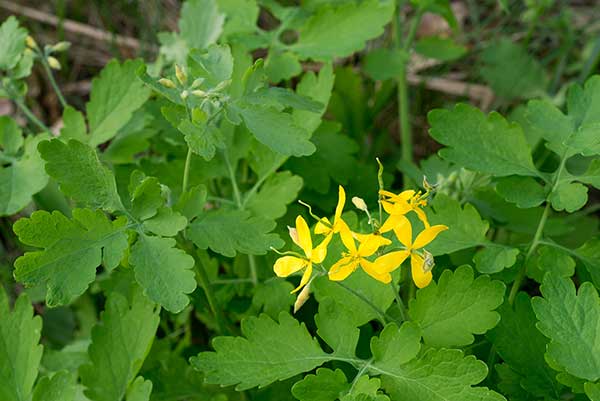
point(439, 7)
point(72, 250)
point(59, 387)
point(325, 385)
point(352, 293)
point(457, 307)
point(230, 231)
point(139, 390)
point(466, 228)
point(269, 351)
point(273, 297)
point(444, 49)
point(275, 194)
point(381, 63)
point(73, 126)
point(281, 66)
point(396, 346)
point(337, 328)
point(201, 23)
point(81, 175)
point(526, 192)
point(512, 72)
point(116, 94)
point(332, 32)
point(494, 259)
point(318, 88)
point(550, 259)
point(571, 320)
point(20, 352)
point(202, 139)
point(488, 144)
point(164, 272)
point(191, 203)
point(20, 176)
point(242, 16)
point(334, 159)
point(522, 346)
point(276, 130)
point(119, 346)
point(165, 223)
point(569, 196)
point(12, 37)
point(592, 390)
point(365, 389)
point(434, 375)
point(214, 64)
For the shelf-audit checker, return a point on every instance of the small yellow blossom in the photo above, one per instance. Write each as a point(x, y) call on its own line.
point(324, 226)
point(397, 205)
point(421, 263)
point(286, 265)
point(356, 256)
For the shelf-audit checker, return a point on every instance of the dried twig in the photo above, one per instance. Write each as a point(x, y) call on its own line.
point(478, 92)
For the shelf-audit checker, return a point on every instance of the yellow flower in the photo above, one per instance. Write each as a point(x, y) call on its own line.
point(357, 257)
point(421, 263)
point(401, 204)
point(287, 265)
point(324, 226)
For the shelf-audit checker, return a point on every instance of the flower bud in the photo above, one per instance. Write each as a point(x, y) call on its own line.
point(167, 83)
point(197, 82)
point(184, 95)
point(222, 85)
point(199, 93)
point(180, 74)
point(360, 204)
point(61, 47)
point(293, 234)
point(30, 42)
point(302, 298)
point(53, 63)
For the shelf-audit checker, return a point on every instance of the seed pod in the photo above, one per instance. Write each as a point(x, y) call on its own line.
point(167, 83)
point(180, 74)
point(61, 47)
point(53, 63)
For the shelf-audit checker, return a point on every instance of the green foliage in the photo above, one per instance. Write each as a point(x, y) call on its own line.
point(13, 38)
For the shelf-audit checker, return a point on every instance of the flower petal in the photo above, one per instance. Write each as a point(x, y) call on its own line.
point(320, 252)
point(340, 205)
point(347, 238)
point(322, 228)
point(286, 265)
point(304, 240)
point(403, 232)
point(419, 276)
point(342, 269)
point(371, 269)
point(428, 235)
point(305, 277)
point(422, 216)
point(401, 207)
point(391, 261)
point(371, 244)
point(393, 221)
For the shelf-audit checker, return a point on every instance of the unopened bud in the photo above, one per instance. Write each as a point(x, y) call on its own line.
point(428, 261)
point(360, 204)
point(222, 85)
point(30, 42)
point(199, 93)
point(197, 82)
point(61, 46)
point(293, 234)
point(167, 83)
point(53, 63)
point(180, 74)
point(302, 298)
point(184, 95)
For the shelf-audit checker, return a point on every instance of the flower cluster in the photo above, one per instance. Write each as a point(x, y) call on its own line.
point(365, 250)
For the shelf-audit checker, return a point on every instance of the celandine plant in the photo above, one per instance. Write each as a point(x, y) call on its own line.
point(145, 254)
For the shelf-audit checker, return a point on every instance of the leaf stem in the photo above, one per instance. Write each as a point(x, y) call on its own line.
point(186, 170)
point(53, 83)
point(399, 302)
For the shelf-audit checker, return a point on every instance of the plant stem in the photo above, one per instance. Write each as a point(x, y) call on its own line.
point(398, 300)
point(28, 113)
point(534, 243)
point(53, 83)
point(186, 170)
point(403, 104)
